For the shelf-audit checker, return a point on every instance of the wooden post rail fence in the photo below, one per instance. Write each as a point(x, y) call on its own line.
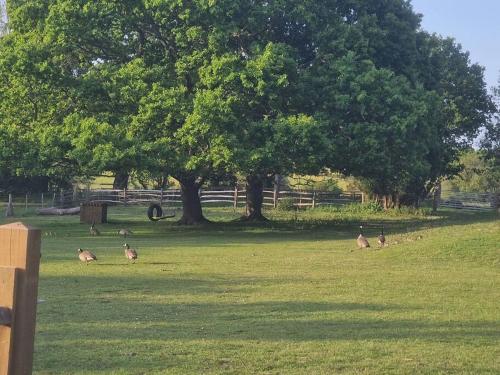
point(19, 265)
point(230, 196)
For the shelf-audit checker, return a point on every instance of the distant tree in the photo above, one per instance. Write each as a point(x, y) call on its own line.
point(271, 135)
point(381, 126)
point(490, 147)
point(29, 105)
point(478, 173)
point(466, 106)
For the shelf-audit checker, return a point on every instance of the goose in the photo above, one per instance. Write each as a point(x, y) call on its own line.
point(86, 256)
point(362, 241)
point(94, 231)
point(381, 238)
point(130, 254)
point(125, 232)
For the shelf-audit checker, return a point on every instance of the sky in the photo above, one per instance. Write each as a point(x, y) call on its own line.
point(475, 24)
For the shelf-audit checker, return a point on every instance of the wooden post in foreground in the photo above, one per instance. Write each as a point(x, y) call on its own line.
point(7, 308)
point(19, 265)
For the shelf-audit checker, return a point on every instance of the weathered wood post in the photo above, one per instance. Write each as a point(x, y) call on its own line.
point(75, 196)
point(277, 185)
point(42, 200)
point(436, 198)
point(235, 198)
point(19, 265)
point(314, 199)
point(7, 301)
point(161, 196)
point(10, 208)
point(61, 198)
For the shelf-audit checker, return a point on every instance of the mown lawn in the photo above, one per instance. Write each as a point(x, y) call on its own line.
point(285, 297)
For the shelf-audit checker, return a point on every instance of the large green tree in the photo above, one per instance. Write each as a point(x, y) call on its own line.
point(202, 87)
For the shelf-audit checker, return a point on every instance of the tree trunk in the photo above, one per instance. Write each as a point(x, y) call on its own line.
point(121, 180)
point(436, 198)
point(255, 198)
point(397, 200)
point(387, 201)
point(192, 213)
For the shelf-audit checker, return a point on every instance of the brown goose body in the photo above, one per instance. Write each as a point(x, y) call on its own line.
point(125, 232)
point(94, 231)
point(86, 256)
point(362, 242)
point(381, 240)
point(130, 254)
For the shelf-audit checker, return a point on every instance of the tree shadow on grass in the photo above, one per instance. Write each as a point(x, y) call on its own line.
point(292, 321)
point(93, 311)
point(142, 302)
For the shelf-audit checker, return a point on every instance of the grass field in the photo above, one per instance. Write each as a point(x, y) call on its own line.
point(287, 297)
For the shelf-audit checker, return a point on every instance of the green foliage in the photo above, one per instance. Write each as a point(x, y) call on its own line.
point(359, 208)
point(203, 88)
point(286, 204)
point(478, 174)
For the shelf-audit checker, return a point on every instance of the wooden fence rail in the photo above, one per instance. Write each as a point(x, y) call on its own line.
point(231, 197)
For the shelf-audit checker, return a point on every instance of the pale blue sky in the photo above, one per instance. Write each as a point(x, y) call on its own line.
point(475, 24)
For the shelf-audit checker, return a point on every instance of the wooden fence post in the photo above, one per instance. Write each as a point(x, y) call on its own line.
point(161, 196)
point(61, 198)
point(10, 208)
point(314, 200)
point(7, 308)
point(42, 200)
point(75, 196)
point(19, 257)
point(235, 203)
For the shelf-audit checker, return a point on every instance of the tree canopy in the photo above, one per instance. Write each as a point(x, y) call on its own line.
point(209, 87)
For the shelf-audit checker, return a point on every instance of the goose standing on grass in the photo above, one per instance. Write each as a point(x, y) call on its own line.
point(381, 238)
point(94, 231)
point(362, 241)
point(125, 232)
point(130, 254)
point(86, 256)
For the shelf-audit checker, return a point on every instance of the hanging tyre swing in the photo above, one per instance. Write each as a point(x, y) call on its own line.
point(155, 213)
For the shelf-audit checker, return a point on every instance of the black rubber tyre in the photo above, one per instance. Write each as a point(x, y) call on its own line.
point(155, 213)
